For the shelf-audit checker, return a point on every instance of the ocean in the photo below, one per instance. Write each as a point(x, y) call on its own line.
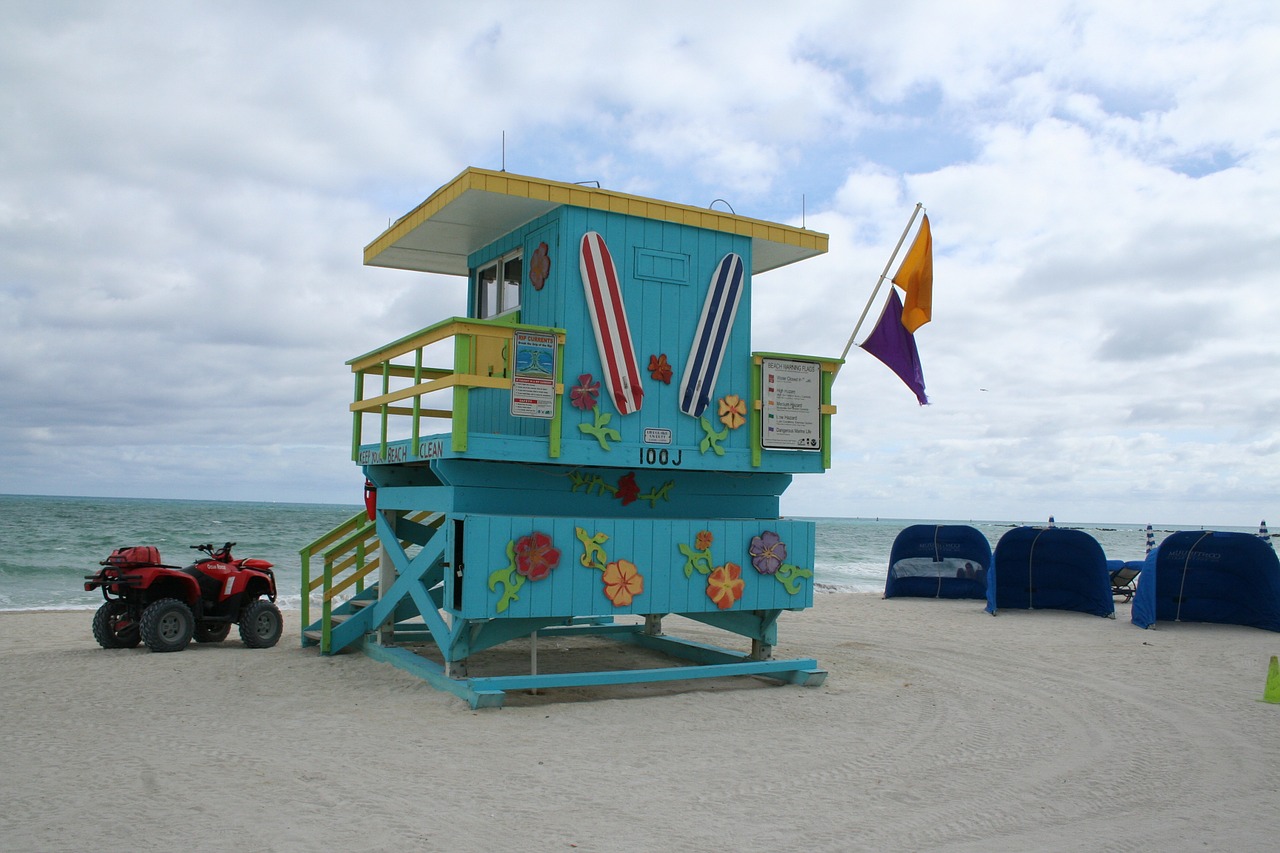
point(48, 544)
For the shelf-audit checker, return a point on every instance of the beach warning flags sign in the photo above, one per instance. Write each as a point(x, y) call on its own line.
point(1272, 692)
point(915, 277)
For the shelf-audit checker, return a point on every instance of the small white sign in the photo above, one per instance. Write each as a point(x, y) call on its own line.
point(654, 435)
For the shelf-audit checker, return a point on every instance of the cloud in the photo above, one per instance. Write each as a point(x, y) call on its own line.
point(185, 191)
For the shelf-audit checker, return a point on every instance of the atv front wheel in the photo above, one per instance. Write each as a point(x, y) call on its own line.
point(167, 625)
point(114, 628)
point(212, 632)
point(261, 624)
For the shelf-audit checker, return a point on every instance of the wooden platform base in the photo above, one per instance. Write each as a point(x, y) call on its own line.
point(489, 691)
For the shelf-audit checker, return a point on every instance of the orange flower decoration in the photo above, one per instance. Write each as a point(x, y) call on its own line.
point(703, 540)
point(659, 369)
point(733, 411)
point(622, 582)
point(724, 585)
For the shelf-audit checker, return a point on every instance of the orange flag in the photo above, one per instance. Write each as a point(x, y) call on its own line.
point(915, 277)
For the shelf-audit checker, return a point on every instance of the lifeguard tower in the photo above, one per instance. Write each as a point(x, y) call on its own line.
point(593, 448)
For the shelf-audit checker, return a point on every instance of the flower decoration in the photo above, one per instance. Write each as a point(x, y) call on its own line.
point(628, 490)
point(768, 552)
point(622, 582)
point(531, 558)
point(725, 585)
point(585, 394)
point(733, 411)
point(539, 266)
point(703, 540)
point(535, 556)
point(659, 369)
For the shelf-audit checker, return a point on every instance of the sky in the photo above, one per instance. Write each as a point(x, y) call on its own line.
point(186, 190)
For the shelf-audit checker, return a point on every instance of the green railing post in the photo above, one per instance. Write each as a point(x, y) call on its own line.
point(386, 387)
point(357, 418)
point(305, 553)
point(417, 398)
point(326, 608)
point(463, 364)
point(554, 438)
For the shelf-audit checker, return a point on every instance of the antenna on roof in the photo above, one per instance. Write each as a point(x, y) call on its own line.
point(725, 203)
point(504, 151)
point(802, 219)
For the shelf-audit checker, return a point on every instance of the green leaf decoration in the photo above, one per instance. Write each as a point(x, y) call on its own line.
point(713, 438)
point(593, 555)
point(696, 560)
point(510, 579)
point(600, 428)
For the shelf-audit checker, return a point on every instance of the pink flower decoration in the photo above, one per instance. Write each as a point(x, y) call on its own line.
point(585, 394)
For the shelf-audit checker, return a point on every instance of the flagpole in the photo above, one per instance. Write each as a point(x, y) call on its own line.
point(848, 346)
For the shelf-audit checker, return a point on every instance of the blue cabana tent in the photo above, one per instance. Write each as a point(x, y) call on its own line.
point(938, 561)
point(1209, 576)
point(1050, 568)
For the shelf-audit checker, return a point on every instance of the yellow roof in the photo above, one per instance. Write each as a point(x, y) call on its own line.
point(479, 206)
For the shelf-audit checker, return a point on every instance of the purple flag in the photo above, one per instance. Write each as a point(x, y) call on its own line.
point(890, 342)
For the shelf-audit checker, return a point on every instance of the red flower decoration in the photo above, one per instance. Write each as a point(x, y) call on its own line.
point(659, 369)
point(628, 491)
point(535, 556)
point(703, 540)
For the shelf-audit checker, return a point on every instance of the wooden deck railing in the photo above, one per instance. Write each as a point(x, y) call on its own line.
point(481, 359)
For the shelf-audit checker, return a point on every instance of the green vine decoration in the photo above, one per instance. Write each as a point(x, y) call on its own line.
point(600, 429)
point(660, 493)
point(510, 579)
point(587, 482)
point(789, 576)
point(713, 438)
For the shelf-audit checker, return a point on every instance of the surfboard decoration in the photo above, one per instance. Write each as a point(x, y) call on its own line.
point(609, 321)
point(712, 335)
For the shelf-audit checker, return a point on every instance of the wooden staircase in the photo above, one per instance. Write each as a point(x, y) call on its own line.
point(351, 560)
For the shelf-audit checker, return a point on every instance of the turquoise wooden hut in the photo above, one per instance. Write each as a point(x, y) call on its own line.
point(593, 448)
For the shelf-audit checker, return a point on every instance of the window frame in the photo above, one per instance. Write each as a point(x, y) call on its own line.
point(507, 298)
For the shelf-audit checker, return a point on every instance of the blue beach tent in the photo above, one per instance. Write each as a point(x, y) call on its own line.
point(939, 561)
point(1209, 576)
point(1050, 568)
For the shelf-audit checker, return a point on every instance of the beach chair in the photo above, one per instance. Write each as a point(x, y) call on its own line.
point(1124, 580)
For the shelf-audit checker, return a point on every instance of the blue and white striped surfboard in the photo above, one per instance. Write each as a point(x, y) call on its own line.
point(712, 336)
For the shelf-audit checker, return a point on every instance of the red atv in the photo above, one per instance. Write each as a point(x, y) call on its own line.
point(165, 606)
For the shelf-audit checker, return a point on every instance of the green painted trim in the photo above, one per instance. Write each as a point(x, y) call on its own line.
point(755, 423)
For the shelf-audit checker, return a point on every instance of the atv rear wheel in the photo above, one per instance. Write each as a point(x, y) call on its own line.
point(114, 628)
point(212, 632)
point(167, 625)
point(261, 624)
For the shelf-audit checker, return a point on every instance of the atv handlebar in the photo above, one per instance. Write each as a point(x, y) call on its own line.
point(209, 549)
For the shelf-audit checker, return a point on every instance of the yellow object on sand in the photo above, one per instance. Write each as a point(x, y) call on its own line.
point(1272, 692)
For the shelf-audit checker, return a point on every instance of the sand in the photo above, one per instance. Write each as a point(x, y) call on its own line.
point(938, 728)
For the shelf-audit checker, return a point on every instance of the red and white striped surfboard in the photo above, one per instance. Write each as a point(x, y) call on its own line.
point(609, 320)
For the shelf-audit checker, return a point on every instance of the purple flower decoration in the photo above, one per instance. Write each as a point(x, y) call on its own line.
point(584, 394)
point(767, 552)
